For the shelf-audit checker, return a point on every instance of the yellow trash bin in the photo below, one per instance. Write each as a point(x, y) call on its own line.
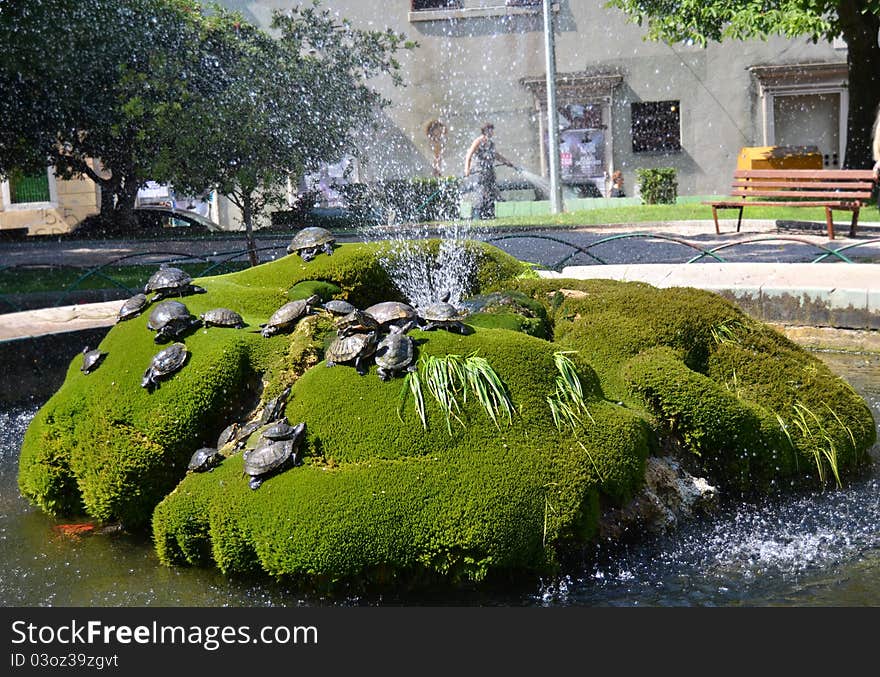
point(779, 157)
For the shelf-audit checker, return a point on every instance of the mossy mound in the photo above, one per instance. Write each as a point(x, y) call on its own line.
point(381, 496)
point(748, 407)
point(104, 445)
point(379, 493)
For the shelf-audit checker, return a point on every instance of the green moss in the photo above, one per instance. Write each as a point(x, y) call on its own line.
point(304, 290)
point(381, 499)
point(379, 492)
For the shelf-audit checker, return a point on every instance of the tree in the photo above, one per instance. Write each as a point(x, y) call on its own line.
point(282, 105)
point(84, 86)
point(856, 21)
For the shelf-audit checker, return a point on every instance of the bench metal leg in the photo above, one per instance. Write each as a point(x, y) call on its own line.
point(715, 216)
point(854, 222)
point(739, 219)
point(830, 222)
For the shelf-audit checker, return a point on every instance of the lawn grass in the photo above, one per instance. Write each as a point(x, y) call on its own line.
point(687, 209)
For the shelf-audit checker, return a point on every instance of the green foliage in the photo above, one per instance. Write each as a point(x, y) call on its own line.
point(94, 97)
point(451, 377)
point(184, 95)
point(567, 404)
point(658, 185)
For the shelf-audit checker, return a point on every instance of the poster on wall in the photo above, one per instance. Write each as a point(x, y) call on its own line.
point(582, 154)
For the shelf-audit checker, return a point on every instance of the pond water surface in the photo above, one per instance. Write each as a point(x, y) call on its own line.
point(821, 549)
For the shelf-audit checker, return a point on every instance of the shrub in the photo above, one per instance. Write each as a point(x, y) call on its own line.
point(403, 200)
point(658, 185)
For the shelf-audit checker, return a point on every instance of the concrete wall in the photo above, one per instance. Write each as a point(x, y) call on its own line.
point(72, 202)
point(470, 64)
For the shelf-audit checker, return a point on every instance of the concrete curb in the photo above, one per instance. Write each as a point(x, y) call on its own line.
point(43, 321)
point(819, 295)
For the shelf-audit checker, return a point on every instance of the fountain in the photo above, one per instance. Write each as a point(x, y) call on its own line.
point(382, 498)
point(394, 490)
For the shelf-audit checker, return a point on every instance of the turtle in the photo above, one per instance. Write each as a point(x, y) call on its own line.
point(357, 321)
point(393, 316)
point(165, 362)
point(244, 432)
point(274, 408)
point(338, 307)
point(222, 317)
point(205, 459)
point(286, 317)
point(395, 354)
point(170, 281)
point(311, 241)
point(280, 430)
point(91, 360)
point(352, 348)
point(272, 456)
point(170, 320)
point(227, 435)
point(133, 307)
point(443, 315)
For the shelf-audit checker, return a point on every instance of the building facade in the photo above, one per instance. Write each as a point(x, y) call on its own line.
point(622, 102)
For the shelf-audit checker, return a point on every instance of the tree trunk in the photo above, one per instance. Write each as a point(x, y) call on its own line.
point(247, 213)
point(863, 59)
point(123, 216)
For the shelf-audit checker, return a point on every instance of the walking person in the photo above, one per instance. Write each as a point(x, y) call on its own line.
point(480, 160)
point(875, 147)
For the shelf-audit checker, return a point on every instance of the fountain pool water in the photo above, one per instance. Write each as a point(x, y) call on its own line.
point(821, 549)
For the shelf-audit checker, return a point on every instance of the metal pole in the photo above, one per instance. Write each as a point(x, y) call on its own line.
point(552, 122)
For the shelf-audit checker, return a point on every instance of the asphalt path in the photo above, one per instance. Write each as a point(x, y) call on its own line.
point(683, 242)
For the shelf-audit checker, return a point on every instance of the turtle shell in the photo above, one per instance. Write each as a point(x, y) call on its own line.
point(222, 317)
point(204, 459)
point(164, 363)
point(288, 315)
point(244, 432)
point(132, 307)
point(338, 307)
point(91, 360)
point(282, 430)
point(392, 312)
point(166, 312)
point(394, 353)
point(270, 456)
point(170, 319)
point(311, 237)
point(274, 408)
point(167, 278)
point(356, 321)
point(347, 348)
point(442, 312)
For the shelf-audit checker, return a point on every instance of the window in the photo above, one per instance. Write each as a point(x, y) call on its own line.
point(656, 126)
point(419, 5)
point(25, 189)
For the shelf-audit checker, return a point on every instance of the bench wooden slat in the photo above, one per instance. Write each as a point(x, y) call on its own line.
point(843, 195)
point(766, 183)
point(844, 174)
point(843, 189)
point(780, 203)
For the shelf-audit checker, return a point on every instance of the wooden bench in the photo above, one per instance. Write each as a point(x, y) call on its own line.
point(842, 189)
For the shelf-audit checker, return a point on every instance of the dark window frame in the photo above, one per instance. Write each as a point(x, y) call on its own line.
point(430, 5)
point(656, 126)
